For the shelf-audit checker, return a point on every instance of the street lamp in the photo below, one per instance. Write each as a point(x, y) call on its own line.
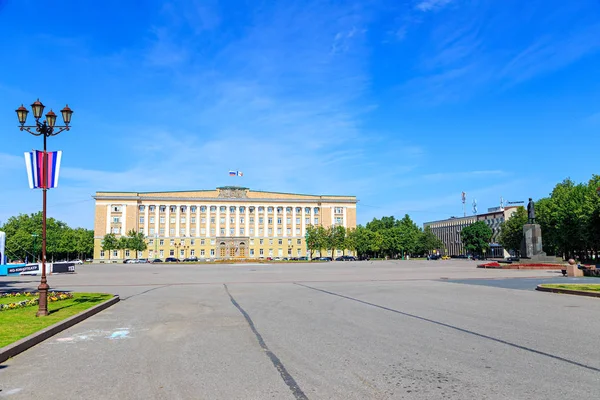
point(45, 129)
point(177, 246)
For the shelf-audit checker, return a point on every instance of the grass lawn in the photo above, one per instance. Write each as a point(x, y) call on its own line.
point(582, 287)
point(18, 323)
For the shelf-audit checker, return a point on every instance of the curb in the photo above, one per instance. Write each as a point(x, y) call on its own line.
point(21, 345)
point(568, 291)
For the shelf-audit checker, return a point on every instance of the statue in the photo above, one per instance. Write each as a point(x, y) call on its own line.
point(530, 212)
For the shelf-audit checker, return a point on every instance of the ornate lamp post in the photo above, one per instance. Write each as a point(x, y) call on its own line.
point(45, 129)
point(177, 246)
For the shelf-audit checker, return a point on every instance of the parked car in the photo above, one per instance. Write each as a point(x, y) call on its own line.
point(142, 261)
point(303, 258)
point(156, 260)
point(171, 259)
point(89, 260)
point(126, 261)
point(191, 259)
point(434, 257)
point(77, 262)
point(325, 259)
point(364, 257)
point(131, 261)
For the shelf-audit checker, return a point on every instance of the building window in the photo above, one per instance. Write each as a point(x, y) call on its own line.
point(289, 231)
point(162, 253)
point(115, 253)
point(152, 208)
point(261, 209)
point(213, 208)
point(212, 220)
point(212, 241)
point(232, 220)
point(298, 210)
point(298, 221)
point(288, 210)
point(181, 231)
point(251, 252)
point(231, 231)
point(278, 231)
point(261, 220)
point(307, 210)
point(270, 220)
point(193, 220)
point(338, 220)
point(270, 252)
point(316, 221)
point(202, 231)
point(151, 220)
point(183, 209)
point(171, 252)
point(299, 241)
point(202, 252)
point(261, 252)
point(242, 231)
point(242, 209)
point(212, 252)
point(173, 209)
point(222, 209)
point(289, 252)
point(251, 220)
point(183, 220)
point(162, 209)
point(116, 220)
point(162, 220)
point(251, 209)
point(279, 210)
point(101, 253)
point(116, 208)
point(316, 210)
point(280, 242)
point(212, 231)
point(172, 231)
point(270, 210)
point(251, 231)
point(222, 220)
point(297, 231)
point(141, 208)
point(172, 242)
point(202, 220)
point(271, 241)
point(172, 220)
point(261, 241)
point(307, 220)
point(161, 242)
point(192, 252)
point(279, 221)
point(241, 220)
point(222, 231)
point(251, 241)
point(202, 208)
point(202, 241)
point(232, 209)
point(270, 231)
point(193, 209)
point(288, 221)
point(162, 231)
point(152, 231)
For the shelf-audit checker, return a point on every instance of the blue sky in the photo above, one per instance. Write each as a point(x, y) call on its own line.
point(404, 104)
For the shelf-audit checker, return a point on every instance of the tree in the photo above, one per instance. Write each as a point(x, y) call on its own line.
point(428, 241)
point(511, 230)
point(337, 236)
point(476, 237)
point(312, 239)
point(109, 243)
point(136, 241)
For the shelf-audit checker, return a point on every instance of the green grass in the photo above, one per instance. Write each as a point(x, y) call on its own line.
point(584, 288)
point(21, 322)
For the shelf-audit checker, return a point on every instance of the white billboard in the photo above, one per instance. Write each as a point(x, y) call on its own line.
point(2, 245)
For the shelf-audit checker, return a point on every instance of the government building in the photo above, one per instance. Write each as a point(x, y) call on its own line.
point(227, 223)
point(449, 231)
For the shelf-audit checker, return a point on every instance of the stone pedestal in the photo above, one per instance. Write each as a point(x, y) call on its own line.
point(532, 241)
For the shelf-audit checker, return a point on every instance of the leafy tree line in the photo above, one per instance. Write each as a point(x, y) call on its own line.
point(24, 239)
point(385, 237)
point(569, 218)
point(134, 242)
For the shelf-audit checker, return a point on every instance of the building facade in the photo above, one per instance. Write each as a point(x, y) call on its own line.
point(449, 231)
point(226, 223)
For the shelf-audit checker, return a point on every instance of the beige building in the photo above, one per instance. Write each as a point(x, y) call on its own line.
point(449, 230)
point(227, 223)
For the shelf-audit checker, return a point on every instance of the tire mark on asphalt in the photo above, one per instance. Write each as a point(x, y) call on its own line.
point(287, 378)
point(480, 335)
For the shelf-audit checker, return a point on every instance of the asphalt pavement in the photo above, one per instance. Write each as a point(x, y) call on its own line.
point(339, 330)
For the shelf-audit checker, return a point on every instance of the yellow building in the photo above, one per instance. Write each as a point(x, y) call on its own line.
point(227, 223)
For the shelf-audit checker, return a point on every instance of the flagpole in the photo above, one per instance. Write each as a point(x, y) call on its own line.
point(43, 287)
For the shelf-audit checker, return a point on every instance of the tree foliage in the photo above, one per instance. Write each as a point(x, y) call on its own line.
point(511, 230)
point(24, 232)
point(476, 237)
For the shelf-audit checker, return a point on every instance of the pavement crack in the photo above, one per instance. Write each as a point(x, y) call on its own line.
point(144, 292)
point(285, 375)
point(456, 328)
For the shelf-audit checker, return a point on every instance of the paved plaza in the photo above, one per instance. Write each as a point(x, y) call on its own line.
point(338, 330)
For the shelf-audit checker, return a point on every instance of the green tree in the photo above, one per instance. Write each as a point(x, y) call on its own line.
point(428, 241)
point(136, 241)
point(312, 239)
point(511, 230)
point(476, 237)
point(322, 239)
point(350, 242)
point(337, 235)
point(110, 243)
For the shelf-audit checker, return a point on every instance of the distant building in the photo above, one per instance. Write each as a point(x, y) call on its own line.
point(449, 231)
point(226, 223)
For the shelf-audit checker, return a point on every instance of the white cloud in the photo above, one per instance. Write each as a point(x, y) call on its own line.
point(431, 5)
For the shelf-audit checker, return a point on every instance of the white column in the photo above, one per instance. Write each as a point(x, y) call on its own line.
point(188, 221)
point(177, 217)
point(207, 213)
point(167, 221)
point(156, 221)
point(108, 208)
point(227, 224)
point(294, 221)
point(285, 215)
point(124, 224)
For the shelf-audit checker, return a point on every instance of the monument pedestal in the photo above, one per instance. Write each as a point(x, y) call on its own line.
point(531, 247)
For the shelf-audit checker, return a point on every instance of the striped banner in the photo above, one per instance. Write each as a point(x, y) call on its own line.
point(38, 176)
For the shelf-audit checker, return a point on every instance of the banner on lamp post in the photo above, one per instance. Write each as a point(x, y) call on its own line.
point(40, 176)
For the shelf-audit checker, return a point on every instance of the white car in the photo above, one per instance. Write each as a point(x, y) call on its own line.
point(78, 262)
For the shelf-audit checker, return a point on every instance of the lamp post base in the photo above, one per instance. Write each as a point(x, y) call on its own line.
point(43, 302)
